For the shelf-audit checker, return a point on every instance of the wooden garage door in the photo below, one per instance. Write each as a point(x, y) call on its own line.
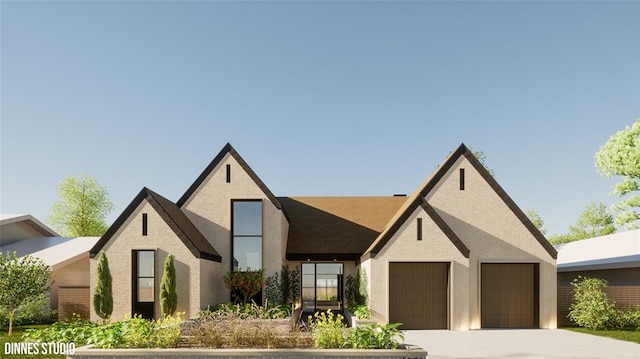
point(418, 295)
point(509, 295)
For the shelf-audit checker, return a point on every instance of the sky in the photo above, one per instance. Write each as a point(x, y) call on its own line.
point(320, 98)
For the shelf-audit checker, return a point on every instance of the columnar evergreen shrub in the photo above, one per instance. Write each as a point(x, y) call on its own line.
point(273, 290)
point(168, 295)
point(103, 295)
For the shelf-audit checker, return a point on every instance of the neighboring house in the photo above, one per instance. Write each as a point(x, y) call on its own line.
point(457, 254)
point(67, 257)
point(614, 258)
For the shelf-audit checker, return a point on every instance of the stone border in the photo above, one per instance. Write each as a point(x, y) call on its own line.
point(87, 352)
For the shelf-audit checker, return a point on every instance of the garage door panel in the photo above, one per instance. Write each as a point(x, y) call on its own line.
point(418, 295)
point(509, 295)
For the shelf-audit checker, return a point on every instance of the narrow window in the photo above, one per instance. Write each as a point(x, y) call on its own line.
point(246, 245)
point(419, 229)
point(144, 224)
point(462, 179)
point(228, 173)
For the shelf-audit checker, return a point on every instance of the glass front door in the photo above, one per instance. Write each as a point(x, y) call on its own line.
point(144, 283)
point(322, 286)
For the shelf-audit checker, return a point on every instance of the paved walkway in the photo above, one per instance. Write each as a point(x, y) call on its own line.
point(520, 344)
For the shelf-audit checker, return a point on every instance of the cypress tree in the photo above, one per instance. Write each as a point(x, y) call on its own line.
point(103, 295)
point(168, 295)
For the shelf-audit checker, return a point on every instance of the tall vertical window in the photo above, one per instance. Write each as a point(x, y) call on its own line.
point(247, 235)
point(144, 224)
point(228, 173)
point(462, 179)
point(419, 229)
point(144, 282)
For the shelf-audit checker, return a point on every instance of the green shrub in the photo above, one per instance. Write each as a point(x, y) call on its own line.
point(628, 319)
point(76, 330)
point(248, 311)
point(361, 311)
point(591, 307)
point(244, 285)
point(376, 336)
point(273, 290)
point(32, 312)
point(329, 330)
point(168, 294)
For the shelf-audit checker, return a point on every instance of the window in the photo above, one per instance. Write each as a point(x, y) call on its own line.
point(144, 224)
point(322, 285)
point(228, 173)
point(144, 282)
point(462, 179)
point(247, 235)
point(419, 229)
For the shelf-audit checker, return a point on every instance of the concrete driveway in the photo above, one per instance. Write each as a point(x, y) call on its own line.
point(520, 344)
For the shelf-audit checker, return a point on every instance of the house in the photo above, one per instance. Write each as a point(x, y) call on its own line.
point(67, 257)
point(456, 254)
point(614, 258)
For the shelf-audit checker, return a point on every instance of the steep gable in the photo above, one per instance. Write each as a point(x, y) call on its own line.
point(227, 149)
point(173, 216)
point(419, 196)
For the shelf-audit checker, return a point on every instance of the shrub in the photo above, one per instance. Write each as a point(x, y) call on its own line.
point(356, 289)
point(76, 330)
point(376, 336)
point(32, 312)
point(628, 319)
point(247, 311)
point(168, 295)
point(591, 307)
point(273, 290)
point(361, 311)
point(329, 330)
point(103, 295)
point(244, 285)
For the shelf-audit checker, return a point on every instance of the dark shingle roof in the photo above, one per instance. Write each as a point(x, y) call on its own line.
point(341, 228)
point(173, 216)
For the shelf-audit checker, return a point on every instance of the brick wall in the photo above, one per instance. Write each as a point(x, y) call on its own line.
point(73, 300)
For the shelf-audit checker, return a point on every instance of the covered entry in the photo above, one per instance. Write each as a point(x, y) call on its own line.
point(509, 295)
point(419, 294)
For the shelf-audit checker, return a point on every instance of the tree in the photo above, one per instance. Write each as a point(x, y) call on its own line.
point(103, 295)
point(168, 295)
point(22, 280)
point(594, 221)
point(620, 156)
point(82, 207)
point(537, 221)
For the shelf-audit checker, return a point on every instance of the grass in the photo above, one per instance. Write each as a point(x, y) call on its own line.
point(626, 335)
point(17, 337)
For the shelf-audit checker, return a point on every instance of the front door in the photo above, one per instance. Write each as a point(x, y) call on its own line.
point(143, 273)
point(322, 286)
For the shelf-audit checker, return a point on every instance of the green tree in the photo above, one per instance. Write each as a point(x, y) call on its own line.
point(82, 207)
point(22, 280)
point(561, 238)
point(103, 295)
point(537, 221)
point(620, 156)
point(594, 221)
point(168, 295)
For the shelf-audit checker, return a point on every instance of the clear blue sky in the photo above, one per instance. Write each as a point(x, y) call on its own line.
point(337, 98)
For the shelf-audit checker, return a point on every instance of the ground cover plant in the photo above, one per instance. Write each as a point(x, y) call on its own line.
point(626, 335)
point(132, 332)
point(18, 331)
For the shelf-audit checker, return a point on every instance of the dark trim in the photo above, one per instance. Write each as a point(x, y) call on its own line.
point(462, 150)
point(144, 224)
point(174, 217)
point(233, 236)
point(419, 228)
point(444, 227)
point(229, 149)
point(462, 179)
point(324, 257)
point(228, 173)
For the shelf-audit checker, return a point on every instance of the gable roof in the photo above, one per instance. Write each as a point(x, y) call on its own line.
point(18, 227)
point(173, 216)
point(216, 160)
point(341, 228)
point(417, 198)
